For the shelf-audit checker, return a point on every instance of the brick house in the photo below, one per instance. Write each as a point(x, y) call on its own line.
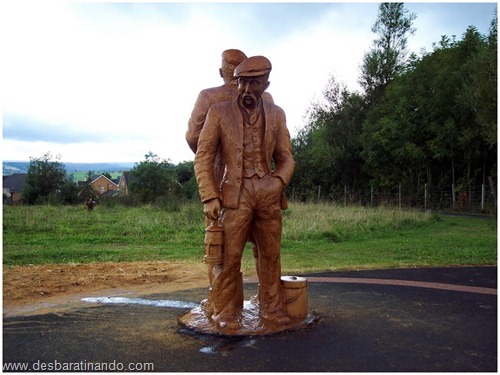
point(13, 186)
point(124, 183)
point(103, 185)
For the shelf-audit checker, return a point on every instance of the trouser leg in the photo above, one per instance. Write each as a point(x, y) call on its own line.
point(266, 229)
point(227, 300)
point(258, 213)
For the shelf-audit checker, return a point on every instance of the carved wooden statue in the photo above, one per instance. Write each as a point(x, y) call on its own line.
point(230, 59)
point(248, 133)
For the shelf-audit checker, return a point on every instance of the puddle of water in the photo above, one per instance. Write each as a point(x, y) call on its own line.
point(208, 350)
point(141, 301)
point(224, 347)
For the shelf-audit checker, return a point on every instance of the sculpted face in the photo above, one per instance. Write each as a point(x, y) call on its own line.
point(251, 89)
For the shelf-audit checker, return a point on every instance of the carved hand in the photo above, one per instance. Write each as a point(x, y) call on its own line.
point(211, 209)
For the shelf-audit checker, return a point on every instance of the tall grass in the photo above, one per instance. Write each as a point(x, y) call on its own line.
point(339, 223)
point(315, 236)
point(48, 234)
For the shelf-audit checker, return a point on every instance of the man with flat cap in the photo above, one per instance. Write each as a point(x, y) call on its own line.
point(230, 59)
point(251, 133)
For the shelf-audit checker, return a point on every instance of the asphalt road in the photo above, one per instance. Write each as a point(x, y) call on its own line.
point(370, 321)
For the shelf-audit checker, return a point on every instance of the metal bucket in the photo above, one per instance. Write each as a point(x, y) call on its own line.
point(295, 296)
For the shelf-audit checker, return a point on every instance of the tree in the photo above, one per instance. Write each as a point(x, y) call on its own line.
point(388, 56)
point(152, 178)
point(87, 192)
point(479, 92)
point(428, 123)
point(186, 178)
point(44, 180)
point(68, 193)
point(393, 136)
point(327, 150)
point(427, 119)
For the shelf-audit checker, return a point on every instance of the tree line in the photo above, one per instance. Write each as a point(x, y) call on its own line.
point(151, 181)
point(158, 181)
point(427, 120)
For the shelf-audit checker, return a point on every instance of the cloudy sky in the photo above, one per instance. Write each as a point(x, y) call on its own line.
point(104, 82)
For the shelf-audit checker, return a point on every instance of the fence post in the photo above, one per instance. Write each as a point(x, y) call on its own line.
point(399, 196)
point(319, 193)
point(345, 195)
point(425, 196)
point(482, 197)
point(453, 195)
point(492, 187)
point(371, 195)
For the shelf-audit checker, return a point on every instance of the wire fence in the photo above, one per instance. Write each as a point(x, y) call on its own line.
point(450, 199)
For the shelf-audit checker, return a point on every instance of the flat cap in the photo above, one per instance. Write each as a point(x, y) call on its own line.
point(233, 56)
point(253, 66)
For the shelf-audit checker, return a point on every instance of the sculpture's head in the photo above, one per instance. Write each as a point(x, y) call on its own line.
point(253, 79)
point(231, 58)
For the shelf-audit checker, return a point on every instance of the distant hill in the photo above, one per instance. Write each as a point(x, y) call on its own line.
point(11, 167)
point(98, 167)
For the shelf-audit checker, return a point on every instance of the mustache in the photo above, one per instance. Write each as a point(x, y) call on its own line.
point(248, 95)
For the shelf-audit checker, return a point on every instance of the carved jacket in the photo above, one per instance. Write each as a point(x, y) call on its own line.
point(206, 98)
point(224, 126)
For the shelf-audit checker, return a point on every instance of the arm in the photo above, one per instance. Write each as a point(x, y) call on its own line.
point(197, 119)
point(204, 164)
point(282, 153)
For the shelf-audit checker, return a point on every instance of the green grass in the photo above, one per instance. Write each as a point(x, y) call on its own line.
point(329, 237)
point(82, 176)
point(316, 237)
point(71, 234)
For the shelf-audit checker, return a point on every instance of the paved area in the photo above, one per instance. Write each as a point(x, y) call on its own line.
point(385, 320)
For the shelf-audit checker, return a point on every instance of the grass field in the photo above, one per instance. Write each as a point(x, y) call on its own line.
point(316, 237)
point(82, 176)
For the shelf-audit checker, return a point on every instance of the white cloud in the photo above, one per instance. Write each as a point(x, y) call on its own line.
point(134, 80)
point(124, 77)
point(304, 61)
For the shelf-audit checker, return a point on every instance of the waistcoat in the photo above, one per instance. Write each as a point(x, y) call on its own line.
point(253, 142)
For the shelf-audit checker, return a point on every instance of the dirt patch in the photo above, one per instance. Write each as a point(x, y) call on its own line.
point(29, 289)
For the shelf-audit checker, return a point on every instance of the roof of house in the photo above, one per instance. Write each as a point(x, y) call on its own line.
point(15, 182)
point(109, 193)
point(98, 177)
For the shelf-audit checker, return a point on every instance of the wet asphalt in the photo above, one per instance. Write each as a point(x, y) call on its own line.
point(363, 327)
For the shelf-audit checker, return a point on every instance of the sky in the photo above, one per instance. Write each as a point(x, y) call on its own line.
point(109, 82)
